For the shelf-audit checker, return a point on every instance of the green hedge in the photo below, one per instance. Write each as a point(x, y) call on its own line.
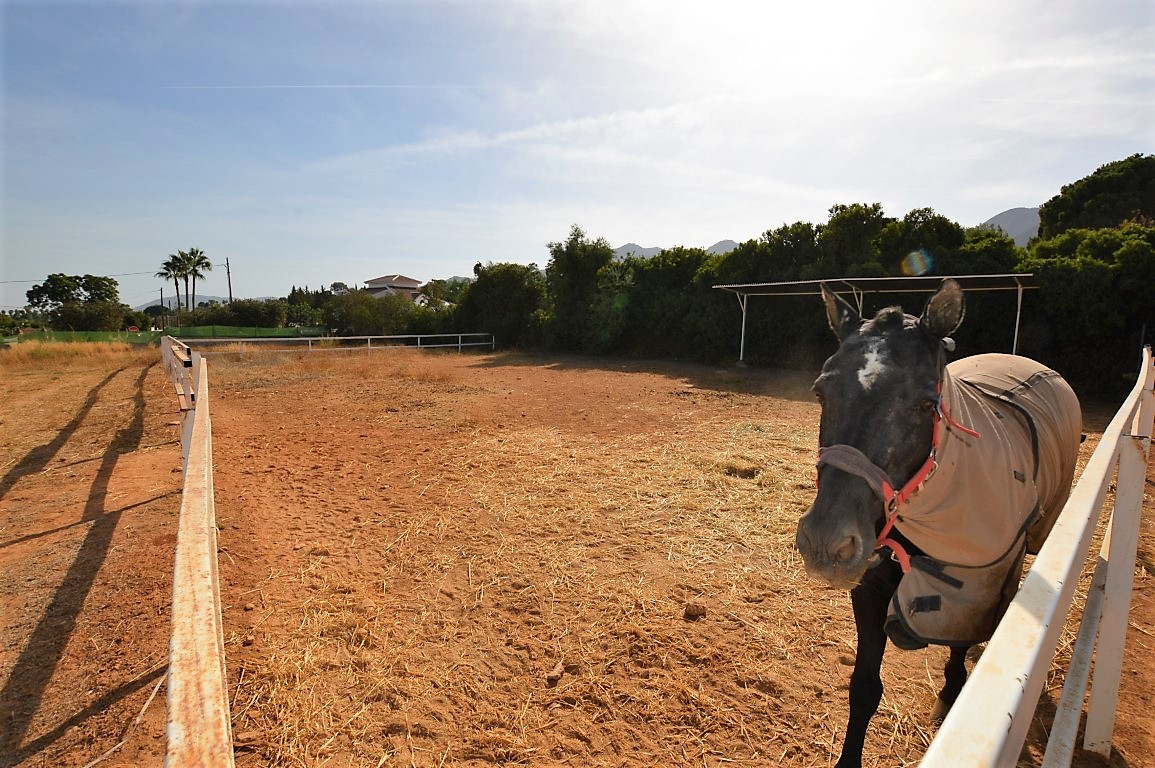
point(130, 337)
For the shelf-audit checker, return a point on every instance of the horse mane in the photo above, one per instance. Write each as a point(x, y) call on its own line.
point(889, 318)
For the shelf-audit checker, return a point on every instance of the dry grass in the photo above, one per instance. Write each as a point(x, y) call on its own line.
point(36, 354)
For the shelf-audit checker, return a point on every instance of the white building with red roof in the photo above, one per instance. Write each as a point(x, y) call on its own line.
point(394, 285)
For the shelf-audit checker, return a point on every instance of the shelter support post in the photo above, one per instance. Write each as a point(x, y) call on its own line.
point(742, 299)
point(1018, 315)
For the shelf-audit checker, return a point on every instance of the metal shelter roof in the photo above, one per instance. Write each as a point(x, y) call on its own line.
point(860, 286)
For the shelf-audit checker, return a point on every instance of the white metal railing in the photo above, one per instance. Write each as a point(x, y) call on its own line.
point(458, 341)
point(199, 729)
point(988, 723)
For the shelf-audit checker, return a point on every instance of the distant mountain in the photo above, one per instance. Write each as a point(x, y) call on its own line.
point(722, 246)
point(1021, 224)
point(170, 301)
point(633, 249)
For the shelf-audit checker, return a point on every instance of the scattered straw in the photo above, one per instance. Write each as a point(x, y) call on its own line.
point(487, 560)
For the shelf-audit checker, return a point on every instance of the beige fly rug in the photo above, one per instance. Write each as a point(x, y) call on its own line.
point(991, 499)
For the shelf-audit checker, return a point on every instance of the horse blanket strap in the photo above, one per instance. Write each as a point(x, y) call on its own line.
point(1008, 397)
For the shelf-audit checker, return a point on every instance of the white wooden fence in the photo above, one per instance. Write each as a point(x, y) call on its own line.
point(988, 724)
point(458, 341)
point(199, 728)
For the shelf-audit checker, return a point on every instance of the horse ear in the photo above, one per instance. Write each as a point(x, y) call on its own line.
point(944, 311)
point(843, 318)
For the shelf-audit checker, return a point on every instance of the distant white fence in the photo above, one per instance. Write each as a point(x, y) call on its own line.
point(988, 724)
point(458, 341)
point(199, 727)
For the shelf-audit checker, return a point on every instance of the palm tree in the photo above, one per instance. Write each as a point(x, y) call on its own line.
point(195, 262)
point(171, 270)
point(183, 270)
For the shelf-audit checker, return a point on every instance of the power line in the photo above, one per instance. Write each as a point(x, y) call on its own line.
point(122, 274)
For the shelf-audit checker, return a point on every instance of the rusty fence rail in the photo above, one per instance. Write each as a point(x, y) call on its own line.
point(199, 730)
point(988, 723)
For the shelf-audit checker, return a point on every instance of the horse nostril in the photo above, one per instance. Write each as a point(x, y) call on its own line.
point(846, 550)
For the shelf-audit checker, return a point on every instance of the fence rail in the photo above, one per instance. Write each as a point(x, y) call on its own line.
point(988, 723)
point(199, 728)
point(458, 341)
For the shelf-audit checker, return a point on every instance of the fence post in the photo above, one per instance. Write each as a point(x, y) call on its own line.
point(1130, 481)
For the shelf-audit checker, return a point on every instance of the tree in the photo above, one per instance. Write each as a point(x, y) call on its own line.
point(171, 270)
point(1096, 308)
point(666, 301)
point(301, 313)
point(196, 264)
point(79, 302)
point(502, 300)
point(792, 247)
point(359, 313)
point(133, 319)
point(60, 289)
point(250, 313)
point(155, 311)
point(89, 316)
point(608, 328)
point(1117, 192)
point(922, 232)
point(984, 251)
point(848, 244)
point(572, 279)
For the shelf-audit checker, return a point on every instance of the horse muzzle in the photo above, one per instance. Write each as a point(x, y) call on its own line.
point(838, 556)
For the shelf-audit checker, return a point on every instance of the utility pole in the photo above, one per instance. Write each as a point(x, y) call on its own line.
point(229, 274)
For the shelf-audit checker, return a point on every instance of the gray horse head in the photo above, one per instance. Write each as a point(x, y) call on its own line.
point(879, 394)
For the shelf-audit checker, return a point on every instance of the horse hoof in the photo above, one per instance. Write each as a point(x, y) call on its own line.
point(938, 714)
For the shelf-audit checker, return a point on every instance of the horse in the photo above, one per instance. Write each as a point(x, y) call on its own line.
point(933, 482)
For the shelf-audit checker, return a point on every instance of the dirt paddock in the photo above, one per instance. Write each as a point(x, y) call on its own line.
point(454, 560)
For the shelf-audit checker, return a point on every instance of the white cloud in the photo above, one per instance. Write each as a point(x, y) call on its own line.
point(658, 122)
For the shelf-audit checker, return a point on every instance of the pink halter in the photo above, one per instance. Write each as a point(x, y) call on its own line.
point(850, 459)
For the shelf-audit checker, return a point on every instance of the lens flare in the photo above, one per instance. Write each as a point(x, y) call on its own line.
point(917, 263)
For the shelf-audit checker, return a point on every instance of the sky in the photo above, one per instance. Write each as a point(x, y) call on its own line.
point(302, 143)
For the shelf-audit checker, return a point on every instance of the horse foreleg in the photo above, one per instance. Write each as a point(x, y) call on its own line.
point(869, 600)
point(954, 677)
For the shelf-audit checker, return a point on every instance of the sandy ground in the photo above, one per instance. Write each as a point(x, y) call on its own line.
point(453, 560)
